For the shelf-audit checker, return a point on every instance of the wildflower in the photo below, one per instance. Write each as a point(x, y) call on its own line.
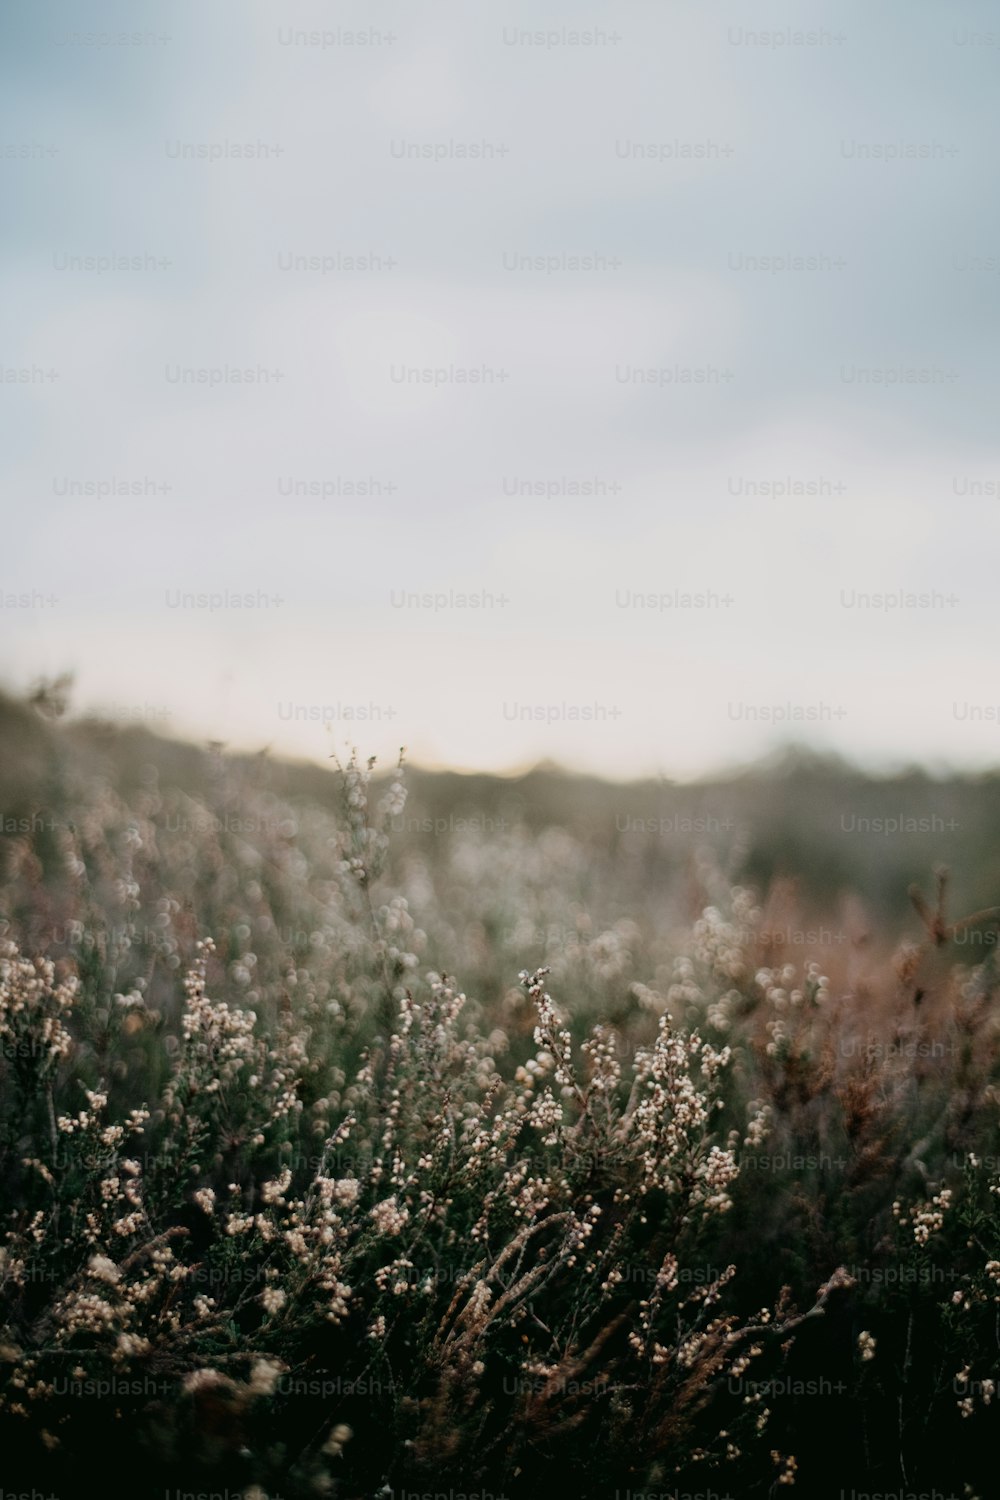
point(787, 1475)
point(274, 1191)
point(130, 1344)
point(264, 1376)
point(104, 1269)
point(346, 1192)
point(394, 800)
point(205, 1379)
point(928, 1218)
point(389, 1216)
point(339, 1435)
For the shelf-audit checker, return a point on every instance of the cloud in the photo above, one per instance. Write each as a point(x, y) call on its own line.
point(561, 321)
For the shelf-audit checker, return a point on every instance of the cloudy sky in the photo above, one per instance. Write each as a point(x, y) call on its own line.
point(622, 377)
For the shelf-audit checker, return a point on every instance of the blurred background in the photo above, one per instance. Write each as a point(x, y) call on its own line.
point(614, 387)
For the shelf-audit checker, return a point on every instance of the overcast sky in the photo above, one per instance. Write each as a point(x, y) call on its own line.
point(667, 332)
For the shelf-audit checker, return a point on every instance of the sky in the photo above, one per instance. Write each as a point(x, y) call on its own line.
point(608, 383)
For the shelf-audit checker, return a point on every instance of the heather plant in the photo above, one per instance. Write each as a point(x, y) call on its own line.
point(464, 1247)
point(468, 1216)
point(291, 1206)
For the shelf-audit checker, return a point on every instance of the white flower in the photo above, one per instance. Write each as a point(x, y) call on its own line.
point(264, 1376)
point(273, 1299)
point(389, 1216)
point(104, 1269)
point(346, 1192)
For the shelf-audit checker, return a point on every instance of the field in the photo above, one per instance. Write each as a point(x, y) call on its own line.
point(376, 1132)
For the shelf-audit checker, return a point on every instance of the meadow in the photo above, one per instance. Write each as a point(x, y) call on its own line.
point(375, 1132)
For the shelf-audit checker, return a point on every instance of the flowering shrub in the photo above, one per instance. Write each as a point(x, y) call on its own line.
point(290, 1212)
point(471, 1246)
